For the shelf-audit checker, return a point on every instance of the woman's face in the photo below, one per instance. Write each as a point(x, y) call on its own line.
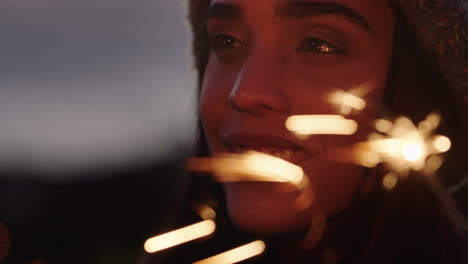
point(271, 59)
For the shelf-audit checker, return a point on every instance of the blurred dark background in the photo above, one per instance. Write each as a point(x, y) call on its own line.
point(97, 115)
point(103, 220)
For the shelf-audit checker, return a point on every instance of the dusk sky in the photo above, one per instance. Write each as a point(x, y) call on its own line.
point(90, 82)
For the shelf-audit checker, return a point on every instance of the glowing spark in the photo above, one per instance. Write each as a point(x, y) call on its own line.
point(206, 212)
point(403, 146)
point(383, 126)
point(390, 181)
point(179, 236)
point(261, 163)
point(425, 126)
point(237, 254)
point(250, 166)
point(434, 163)
point(347, 101)
point(434, 120)
point(412, 151)
point(355, 155)
point(321, 125)
point(442, 144)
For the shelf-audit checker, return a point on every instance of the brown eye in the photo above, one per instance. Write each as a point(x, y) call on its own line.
point(315, 45)
point(225, 42)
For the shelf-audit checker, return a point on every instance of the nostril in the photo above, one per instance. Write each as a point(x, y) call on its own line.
point(258, 101)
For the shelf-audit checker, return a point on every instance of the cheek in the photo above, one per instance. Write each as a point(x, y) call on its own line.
point(213, 105)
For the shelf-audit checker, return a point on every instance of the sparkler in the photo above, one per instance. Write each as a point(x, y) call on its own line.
point(404, 147)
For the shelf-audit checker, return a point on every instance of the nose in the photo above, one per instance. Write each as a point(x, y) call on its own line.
point(259, 85)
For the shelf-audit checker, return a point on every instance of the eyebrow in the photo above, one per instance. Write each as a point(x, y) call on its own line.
point(222, 11)
point(305, 9)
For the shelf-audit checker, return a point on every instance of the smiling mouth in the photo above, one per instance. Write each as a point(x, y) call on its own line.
point(268, 144)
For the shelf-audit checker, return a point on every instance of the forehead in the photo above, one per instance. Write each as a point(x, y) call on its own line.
point(353, 3)
point(376, 14)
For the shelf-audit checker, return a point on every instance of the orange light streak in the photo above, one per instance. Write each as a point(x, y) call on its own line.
point(179, 236)
point(237, 254)
point(321, 125)
point(250, 166)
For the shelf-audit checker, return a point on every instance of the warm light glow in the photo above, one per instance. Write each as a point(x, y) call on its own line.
point(370, 159)
point(434, 120)
point(387, 146)
point(434, 163)
point(206, 212)
point(179, 236)
point(383, 125)
point(357, 155)
point(347, 101)
point(401, 145)
point(236, 255)
point(425, 126)
point(390, 181)
point(250, 166)
point(353, 101)
point(264, 164)
point(321, 125)
point(442, 144)
point(412, 151)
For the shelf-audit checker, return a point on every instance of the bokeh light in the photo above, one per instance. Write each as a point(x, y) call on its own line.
point(237, 254)
point(383, 126)
point(390, 181)
point(347, 101)
point(179, 236)
point(442, 143)
point(321, 125)
point(403, 146)
point(250, 166)
point(412, 151)
point(206, 212)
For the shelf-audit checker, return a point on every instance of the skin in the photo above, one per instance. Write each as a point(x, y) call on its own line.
point(263, 68)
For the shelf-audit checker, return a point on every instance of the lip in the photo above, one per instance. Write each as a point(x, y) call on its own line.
point(253, 141)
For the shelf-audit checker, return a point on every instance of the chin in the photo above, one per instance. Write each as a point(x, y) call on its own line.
point(260, 208)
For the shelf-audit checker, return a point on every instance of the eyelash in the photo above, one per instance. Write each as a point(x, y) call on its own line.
point(222, 41)
point(316, 45)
